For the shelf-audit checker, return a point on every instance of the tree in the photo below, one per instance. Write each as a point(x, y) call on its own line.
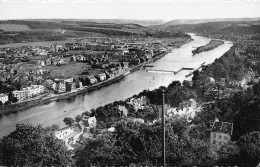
point(250, 148)
point(78, 118)
point(131, 143)
point(249, 112)
point(228, 154)
point(53, 127)
point(33, 146)
point(14, 100)
point(68, 121)
point(1, 103)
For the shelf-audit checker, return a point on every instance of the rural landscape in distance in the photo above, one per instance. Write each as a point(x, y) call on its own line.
point(120, 83)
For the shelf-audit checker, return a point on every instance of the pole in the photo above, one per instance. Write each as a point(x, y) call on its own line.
point(163, 133)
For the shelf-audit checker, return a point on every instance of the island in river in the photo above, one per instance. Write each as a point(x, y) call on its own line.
point(211, 45)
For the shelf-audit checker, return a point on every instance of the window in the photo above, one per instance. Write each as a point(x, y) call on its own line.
point(214, 141)
point(220, 136)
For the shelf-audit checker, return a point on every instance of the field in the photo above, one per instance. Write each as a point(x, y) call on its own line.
point(74, 70)
point(14, 27)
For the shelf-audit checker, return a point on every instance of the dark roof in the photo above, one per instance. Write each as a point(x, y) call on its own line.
point(223, 127)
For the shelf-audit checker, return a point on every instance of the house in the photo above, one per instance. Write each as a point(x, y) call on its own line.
point(70, 135)
point(28, 92)
point(81, 58)
point(138, 103)
point(92, 79)
point(61, 87)
point(220, 134)
point(112, 129)
point(49, 83)
point(41, 62)
point(249, 76)
point(3, 98)
point(70, 80)
point(123, 110)
point(102, 76)
point(20, 95)
point(92, 121)
point(188, 103)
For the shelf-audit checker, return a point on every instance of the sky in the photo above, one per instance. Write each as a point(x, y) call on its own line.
point(128, 9)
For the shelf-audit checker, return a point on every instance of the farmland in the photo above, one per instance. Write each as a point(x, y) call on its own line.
point(74, 70)
point(14, 27)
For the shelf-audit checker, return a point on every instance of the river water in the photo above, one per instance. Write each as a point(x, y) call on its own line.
point(53, 113)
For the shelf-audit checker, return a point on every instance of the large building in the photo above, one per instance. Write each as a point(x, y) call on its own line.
point(220, 134)
point(28, 92)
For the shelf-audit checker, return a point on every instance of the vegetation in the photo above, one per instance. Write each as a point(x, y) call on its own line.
point(224, 28)
point(33, 146)
point(131, 144)
point(46, 31)
point(211, 45)
point(136, 143)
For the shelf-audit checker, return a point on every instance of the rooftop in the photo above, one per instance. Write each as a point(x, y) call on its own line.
point(223, 127)
point(3, 95)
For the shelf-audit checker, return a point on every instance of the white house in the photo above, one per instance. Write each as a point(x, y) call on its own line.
point(28, 92)
point(92, 121)
point(69, 135)
point(3, 98)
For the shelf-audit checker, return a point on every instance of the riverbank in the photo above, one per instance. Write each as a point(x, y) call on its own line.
point(211, 45)
point(13, 108)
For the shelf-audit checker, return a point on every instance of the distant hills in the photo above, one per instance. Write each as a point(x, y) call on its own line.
point(198, 21)
point(53, 28)
point(230, 26)
point(114, 21)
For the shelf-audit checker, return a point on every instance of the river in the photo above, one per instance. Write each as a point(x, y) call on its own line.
point(53, 113)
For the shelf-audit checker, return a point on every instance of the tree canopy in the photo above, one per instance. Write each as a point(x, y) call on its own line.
point(33, 146)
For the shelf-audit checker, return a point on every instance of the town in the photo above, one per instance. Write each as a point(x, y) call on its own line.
point(30, 72)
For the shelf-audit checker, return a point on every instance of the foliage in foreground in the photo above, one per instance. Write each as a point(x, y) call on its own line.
point(33, 146)
point(141, 143)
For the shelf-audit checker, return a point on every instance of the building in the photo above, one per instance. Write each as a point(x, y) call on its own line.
point(102, 76)
point(70, 135)
point(188, 103)
point(28, 92)
point(61, 87)
point(92, 80)
point(20, 95)
point(220, 134)
point(92, 121)
point(3, 98)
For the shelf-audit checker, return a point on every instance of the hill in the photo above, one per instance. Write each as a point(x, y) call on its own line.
point(199, 21)
point(227, 27)
point(114, 21)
